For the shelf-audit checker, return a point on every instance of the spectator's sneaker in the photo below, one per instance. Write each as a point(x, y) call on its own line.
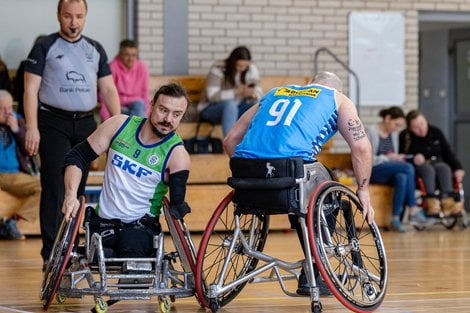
point(13, 231)
point(397, 226)
point(304, 290)
point(418, 218)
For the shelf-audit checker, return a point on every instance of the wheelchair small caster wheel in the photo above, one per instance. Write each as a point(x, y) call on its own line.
point(101, 306)
point(316, 307)
point(214, 305)
point(164, 304)
point(172, 298)
point(60, 298)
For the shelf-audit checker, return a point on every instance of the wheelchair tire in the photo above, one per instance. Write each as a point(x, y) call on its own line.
point(348, 251)
point(185, 249)
point(213, 249)
point(188, 258)
point(60, 255)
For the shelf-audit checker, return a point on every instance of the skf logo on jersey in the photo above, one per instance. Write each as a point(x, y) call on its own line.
point(289, 92)
point(153, 159)
point(128, 166)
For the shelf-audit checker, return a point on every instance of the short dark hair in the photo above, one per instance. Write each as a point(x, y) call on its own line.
point(413, 114)
point(59, 5)
point(127, 43)
point(174, 90)
point(394, 113)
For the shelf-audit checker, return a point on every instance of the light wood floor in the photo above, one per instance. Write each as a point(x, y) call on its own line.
point(429, 272)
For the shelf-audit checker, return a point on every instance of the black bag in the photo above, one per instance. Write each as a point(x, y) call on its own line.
point(203, 144)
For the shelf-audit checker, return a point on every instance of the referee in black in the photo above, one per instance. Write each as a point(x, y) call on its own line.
point(62, 75)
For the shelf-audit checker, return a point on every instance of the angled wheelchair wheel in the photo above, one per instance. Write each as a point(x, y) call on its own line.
point(214, 250)
point(182, 241)
point(348, 251)
point(60, 256)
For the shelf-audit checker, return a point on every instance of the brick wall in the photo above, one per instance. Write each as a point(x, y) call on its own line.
point(283, 35)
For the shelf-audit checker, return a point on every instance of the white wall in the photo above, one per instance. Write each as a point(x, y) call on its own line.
point(23, 20)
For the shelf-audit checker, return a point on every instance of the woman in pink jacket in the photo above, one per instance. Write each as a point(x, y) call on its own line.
point(132, 81)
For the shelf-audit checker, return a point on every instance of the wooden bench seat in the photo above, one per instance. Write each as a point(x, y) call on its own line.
point(207, 187)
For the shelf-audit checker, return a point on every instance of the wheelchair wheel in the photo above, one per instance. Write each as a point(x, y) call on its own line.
point(60, 256)
point(348, 251)
point(183, 243)
point(214, 249)
point(177, 230)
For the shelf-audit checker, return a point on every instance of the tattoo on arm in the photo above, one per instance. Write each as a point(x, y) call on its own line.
point(363, 183)
point(355, 127)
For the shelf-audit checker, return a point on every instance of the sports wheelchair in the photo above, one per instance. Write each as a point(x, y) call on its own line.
point(74, 271)
point(448, 221)
point(348, 251)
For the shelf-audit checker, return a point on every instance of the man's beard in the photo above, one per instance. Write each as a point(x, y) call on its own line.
point(156, 132)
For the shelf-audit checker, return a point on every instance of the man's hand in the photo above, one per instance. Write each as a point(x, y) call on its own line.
point(364, 197)
point(70, 207)
point(396, 157)
point(12, 122)
point(180, 210)
point(32, 139)
point(419, 159)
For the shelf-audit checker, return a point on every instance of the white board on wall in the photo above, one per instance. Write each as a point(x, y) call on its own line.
point(23, 20)
point(377, 55)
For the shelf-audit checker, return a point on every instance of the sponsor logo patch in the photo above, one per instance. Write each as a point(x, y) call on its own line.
point(153, 159)
point(289, 92)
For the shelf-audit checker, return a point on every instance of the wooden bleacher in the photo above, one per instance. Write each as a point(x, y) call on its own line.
point(209, 172)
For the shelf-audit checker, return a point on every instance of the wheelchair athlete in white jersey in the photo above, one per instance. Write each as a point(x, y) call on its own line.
point(146, 158)
point(274, 171)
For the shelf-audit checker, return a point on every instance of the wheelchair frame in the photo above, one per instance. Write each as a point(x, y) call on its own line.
point(358, 280)
point(119, 278)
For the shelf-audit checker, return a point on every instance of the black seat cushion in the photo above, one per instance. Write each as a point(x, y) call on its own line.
point(265, 186)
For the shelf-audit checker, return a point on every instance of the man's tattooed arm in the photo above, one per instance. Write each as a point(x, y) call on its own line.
point(355, 127)
point(363, 183)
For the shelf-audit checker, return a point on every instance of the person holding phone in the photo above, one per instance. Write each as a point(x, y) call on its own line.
point(392, 168)
point(232, 87)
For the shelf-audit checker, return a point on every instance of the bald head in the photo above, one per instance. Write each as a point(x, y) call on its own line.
point(5, 98)
point(6, 105)
point(328, 79)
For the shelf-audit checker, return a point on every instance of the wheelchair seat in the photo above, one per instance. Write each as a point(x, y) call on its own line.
point(272, 186)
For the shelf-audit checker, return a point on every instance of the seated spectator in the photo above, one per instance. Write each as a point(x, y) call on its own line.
point(434, 161)
point(232, 88)
point(389, 167)
point(4, 77)
point(15, 175)
point(132, 81)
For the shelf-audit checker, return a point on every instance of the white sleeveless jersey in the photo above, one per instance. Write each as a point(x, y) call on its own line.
point(134, 178)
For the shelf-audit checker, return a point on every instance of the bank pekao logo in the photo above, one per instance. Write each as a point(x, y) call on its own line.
point(153, 159)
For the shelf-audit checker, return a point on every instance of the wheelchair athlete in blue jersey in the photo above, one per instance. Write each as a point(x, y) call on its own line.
point(295, 121)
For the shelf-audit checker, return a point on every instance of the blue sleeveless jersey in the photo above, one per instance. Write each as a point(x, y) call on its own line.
point(292, 121)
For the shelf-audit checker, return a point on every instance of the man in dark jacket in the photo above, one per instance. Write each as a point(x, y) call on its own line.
point(434, 161)
point(15, 175)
